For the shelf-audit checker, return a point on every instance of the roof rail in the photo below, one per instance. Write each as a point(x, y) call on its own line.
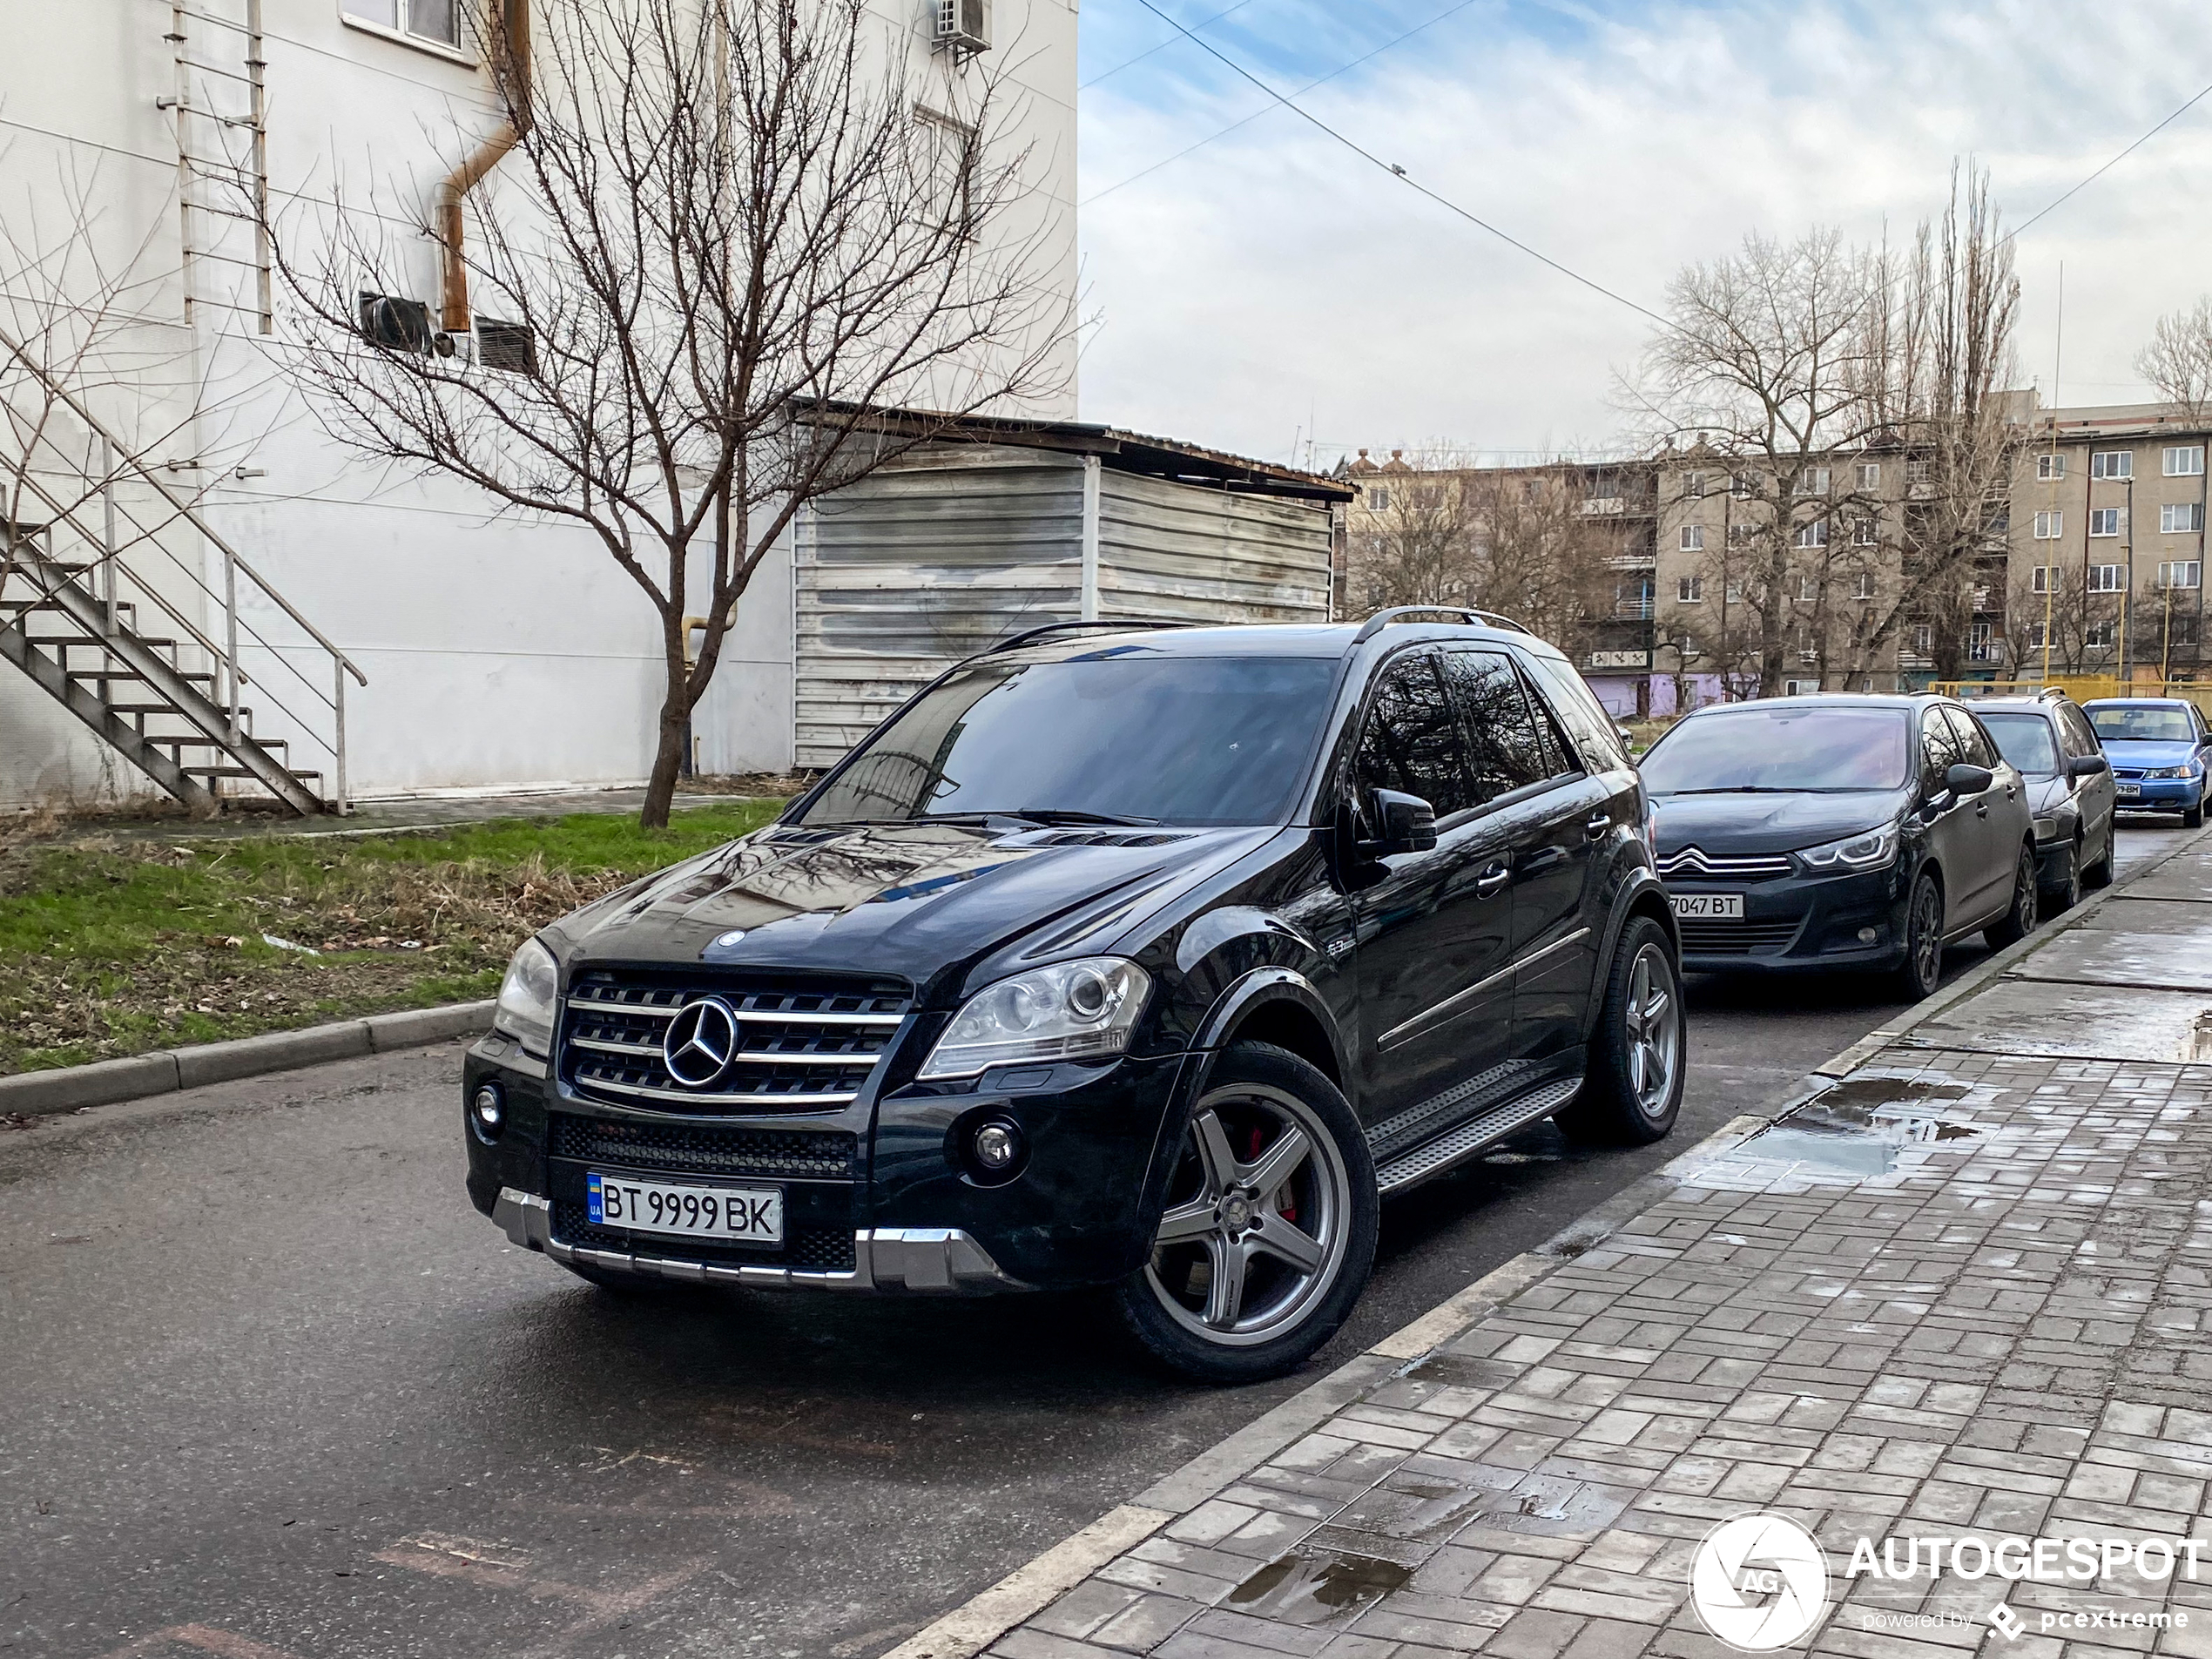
point(1026, 636)
point(1383, 619)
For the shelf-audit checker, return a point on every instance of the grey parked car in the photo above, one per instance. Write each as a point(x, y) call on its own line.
point(2070, 789)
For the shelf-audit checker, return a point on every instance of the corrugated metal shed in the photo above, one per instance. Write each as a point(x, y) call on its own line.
point(958, 545)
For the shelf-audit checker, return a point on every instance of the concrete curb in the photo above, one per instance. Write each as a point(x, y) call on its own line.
point(69, 1089)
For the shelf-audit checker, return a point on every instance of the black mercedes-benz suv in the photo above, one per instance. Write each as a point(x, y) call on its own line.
point(1147, 958)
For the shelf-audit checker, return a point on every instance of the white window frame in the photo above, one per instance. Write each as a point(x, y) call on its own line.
point(1862, 585)
point(1377, 499)
point(1869, 474)
point(2050, 526)
point(2043, 579)
point(1739, 486)
point(2098, 635)
point(2108, 578)
point(2184, 460)
point(2181, 573)
point(1692, 539)
point(2049, 468)
point(1693, 486)
point(1814, 480)
point(2167, 512)
point(1923, 638)
point(400, 30)
point(2109, 517)
point(1732, 593)
point(2115, 464)
point(1866, 532)
point(1808, 590)
point(1812, 533)
point(1689, 590)
point(2035, 633)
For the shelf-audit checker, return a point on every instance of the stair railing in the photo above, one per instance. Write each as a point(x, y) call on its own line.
point(230, 679)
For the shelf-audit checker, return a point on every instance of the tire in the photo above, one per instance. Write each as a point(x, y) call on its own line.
point(2100, 874)
point(1632, 1092)
point(1922, 969)
point(2064, 893)
point(2193, 818)
point(2021, 916)
point(1303, 1245)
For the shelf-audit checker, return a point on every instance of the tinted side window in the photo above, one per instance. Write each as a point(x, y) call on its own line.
point(1587, 722)
point(2074, 735)
point(1411, 742)
point(1508, 747)
point(1939, 751)
point(1973, 742)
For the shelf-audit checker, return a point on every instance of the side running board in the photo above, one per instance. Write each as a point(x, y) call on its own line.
point(1476, 1136)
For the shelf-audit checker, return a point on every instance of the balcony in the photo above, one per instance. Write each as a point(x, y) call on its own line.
point(1632, 610)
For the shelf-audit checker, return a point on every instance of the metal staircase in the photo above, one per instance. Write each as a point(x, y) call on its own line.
point(154, 654)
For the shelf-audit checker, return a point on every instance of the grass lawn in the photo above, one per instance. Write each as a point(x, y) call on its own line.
point(111, 947)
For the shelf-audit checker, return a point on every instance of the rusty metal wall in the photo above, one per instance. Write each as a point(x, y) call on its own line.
point(938, 557)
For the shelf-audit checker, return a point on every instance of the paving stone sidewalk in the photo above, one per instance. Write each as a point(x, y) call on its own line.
point(1965, 1290)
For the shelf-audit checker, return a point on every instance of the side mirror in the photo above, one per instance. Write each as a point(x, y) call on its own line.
point(2086, 765)
point(1403, 824)
point(1967, 779)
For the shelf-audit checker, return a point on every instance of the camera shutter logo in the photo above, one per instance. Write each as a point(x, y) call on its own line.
point(1759, 1582)
point(699, 1042)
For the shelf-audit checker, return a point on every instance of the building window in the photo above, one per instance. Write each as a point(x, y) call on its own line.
point(1861, 586)
point(1813, 480)
point(1923, 638)
point(2104, 521)
point(2182, 628)
point(1814, 533)
point(1739, 485)
point(2098, 633)
point(436, 21)
point(2179, 516)
point(1377, 499)
point(2113, 463)
point(1869, 474)
point(2181, 573)
point(1808, 590)
point(2108, 578)
point(1865, 533)
point(1918, 472)
point(1979, 642)
point(2185, 461)
point(1733, 594)
point(2035, 634)
point(1800, 688)
point(2051, 467)
point(2050, 526)
point(1693, 538)
point(2044, 578)
point(1693, 485)
point(1689, 590)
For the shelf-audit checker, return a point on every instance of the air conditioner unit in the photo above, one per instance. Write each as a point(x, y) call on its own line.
point(963, 26)
point(457, 344)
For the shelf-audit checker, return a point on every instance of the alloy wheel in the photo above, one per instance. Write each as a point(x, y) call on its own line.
point(1655, 1031)
point(1927, 933)
point(1255, 1229)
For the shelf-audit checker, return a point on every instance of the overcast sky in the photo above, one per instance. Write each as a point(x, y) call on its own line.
point(1271, 286)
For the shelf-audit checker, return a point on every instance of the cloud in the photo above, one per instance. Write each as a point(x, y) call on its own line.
point(1273, 284)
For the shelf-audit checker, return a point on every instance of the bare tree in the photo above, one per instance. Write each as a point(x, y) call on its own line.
point(1416, 534)
point(735, 268)
point(2178, 361)
point(1540, 559)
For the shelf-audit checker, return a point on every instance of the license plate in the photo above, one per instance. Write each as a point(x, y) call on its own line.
point(2128, 790)
point(1709, 906)
point(746, 1214)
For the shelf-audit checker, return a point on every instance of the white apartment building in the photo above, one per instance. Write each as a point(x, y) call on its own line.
point(489, 652)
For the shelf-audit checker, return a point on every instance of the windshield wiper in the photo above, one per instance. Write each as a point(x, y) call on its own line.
point(1741, 789)
point(1070, 815)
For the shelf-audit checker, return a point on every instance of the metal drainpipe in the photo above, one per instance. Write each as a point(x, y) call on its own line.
point(510, 54)
point(1089, 594)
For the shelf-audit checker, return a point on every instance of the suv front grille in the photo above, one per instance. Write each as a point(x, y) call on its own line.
point(820, 1155)
point(799, 1045)
point(1737, 938)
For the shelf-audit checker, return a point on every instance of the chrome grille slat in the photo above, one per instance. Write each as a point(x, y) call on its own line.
point(1696, 864)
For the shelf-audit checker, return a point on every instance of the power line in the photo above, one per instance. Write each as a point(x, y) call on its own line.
point(2114, 162)
point(1397, 173)
point(1341, 68)
point(1107, 74)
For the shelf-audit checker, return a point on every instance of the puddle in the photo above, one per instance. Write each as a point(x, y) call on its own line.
point(1859, 1127)
point(1319, 1589)
point(2199, 1044)
point(1464, 1371)
point(1552, 1506)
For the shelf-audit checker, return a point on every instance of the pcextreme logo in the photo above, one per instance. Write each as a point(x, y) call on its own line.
point(1759, 1582)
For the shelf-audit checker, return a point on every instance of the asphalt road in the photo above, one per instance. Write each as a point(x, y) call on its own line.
point(270, 1389)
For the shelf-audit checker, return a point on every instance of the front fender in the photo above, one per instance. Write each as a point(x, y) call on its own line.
point(1640, 885)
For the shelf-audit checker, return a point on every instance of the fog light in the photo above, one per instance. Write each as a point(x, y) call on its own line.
point(1868, 935)
point(488, 1107)
point(997, 1145)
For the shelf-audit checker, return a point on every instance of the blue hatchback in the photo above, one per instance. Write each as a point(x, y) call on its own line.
point(2157, 745)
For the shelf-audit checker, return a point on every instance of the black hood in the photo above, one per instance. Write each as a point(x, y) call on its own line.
point(927, 902)
point(1743, 826)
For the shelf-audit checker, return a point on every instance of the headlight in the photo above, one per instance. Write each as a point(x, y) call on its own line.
point(1868, 850)
point(1072, 1011)
point(526, 998)
point(2171, 772)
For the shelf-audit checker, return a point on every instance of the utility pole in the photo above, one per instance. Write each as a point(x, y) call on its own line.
point(2127, 595)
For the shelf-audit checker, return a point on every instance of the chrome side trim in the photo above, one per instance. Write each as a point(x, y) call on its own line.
point(1459, 1001)
point(689, 1098)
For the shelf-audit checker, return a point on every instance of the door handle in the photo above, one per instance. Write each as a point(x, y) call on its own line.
point(1492, 878)
point(1597, 825)
point(1982, 810)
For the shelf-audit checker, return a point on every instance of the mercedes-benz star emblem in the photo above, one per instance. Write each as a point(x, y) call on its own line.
point(699, 1042)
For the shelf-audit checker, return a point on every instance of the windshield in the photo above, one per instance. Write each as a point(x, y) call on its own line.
point(1117, 739)
point(1781, 746)
point(2026, 741)
point(2123, 723)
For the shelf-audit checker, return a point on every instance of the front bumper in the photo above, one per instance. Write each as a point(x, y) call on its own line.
point(2160, 794)
point(885, 1258)
point(1801, 923)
